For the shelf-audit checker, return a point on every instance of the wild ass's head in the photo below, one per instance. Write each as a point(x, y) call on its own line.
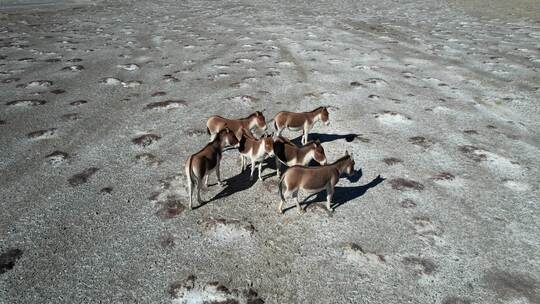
point(268, 141)
point(348, 165)
point(257, 119)
point(325, 116)
point(227, 137)
point(318, 152)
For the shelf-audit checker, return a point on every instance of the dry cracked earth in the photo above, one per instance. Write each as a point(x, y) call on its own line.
point(100, 104)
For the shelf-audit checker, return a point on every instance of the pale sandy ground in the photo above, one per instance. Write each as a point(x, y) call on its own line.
point(445, 105)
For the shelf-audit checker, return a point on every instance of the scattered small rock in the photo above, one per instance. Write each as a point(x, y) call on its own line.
point(421, 265)
point(57, 157)
point(170, 208)
point(106, 190)
point(128, 67)
point(26, 102)
point(9, 258)
point(420, 141)
point(455, 300)
point(148, 158)
point(408, 203)
point(167, 241)
point(167, 104)
point(158, 93)
point(41, 134)
point(81, 178)
point(406, 184)
point(70, 116)
point(10, 80)
point(444, 176)
point(473, 153)
point(146, 139)
point(357, 84)
point(110, 81)
point(73, 68)
point(78, 102)
point(58, 91)
point(390, 161)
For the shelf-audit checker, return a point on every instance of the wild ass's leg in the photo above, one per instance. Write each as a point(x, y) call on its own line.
point(277, 166)
point(282, 196)
point(199, 200)
point(242, 160)
point(252, 169)
point(305, 131)
point(329, 195)
point(190, 190)
point(206, 181)
point(295, 195)
point(260, 170)
point(218, 174)
point(279, 131)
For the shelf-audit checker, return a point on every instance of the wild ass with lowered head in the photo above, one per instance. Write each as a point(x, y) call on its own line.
point(313, 180)
point(255, 150)
point(300, 121)
point(288, 153)
point(202, 163)
point(217, 123)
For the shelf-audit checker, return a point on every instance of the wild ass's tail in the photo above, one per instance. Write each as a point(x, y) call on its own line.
point(280, 190)
point(190, 177)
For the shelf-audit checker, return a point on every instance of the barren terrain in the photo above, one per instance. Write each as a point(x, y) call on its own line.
point(101, 103)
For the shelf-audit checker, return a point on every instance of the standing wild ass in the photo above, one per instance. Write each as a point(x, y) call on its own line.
point(313, 180)
point(255, 150)
point(202, 163)
point(289, 154)
point(218, 123)
point(300, 121)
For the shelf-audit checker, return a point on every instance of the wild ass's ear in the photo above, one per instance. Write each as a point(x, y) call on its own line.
point(317, 141)
point(257, 113)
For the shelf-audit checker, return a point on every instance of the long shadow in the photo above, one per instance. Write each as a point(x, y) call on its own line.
point(240, 182)
point(343, 195)
point(325, 137)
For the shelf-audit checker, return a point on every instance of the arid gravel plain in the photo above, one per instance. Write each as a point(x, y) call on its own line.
point(102, 102)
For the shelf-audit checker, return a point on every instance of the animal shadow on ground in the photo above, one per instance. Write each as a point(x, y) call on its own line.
point(325, 137)
point(240, 182)
point(343, 195)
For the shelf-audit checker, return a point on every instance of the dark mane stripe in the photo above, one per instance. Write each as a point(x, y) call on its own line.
point(342, 159)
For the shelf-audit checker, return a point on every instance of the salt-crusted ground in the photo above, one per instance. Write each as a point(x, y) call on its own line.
point(101, 104)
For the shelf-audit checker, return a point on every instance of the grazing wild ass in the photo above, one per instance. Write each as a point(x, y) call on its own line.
point(202, 163)
point(313, 180)
point(289, 154)
point(255, 150)
point(300, 121)
point(218, 123)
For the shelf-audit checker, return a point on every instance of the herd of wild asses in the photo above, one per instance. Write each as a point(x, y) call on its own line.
point(237, 133)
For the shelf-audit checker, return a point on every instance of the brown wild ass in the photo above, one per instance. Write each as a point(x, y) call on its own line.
point(255, 150)
point(300, 121)
point(289, 154)
point(313, 180)
point(202, 163)
point(217, 123)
